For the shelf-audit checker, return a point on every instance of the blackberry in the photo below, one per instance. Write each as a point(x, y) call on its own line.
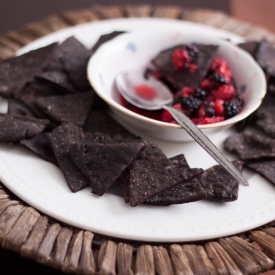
point(231, 109)
point(210, 112)
point(218, 78)
point(201, 94)
point(192, 50)
point(190, 103)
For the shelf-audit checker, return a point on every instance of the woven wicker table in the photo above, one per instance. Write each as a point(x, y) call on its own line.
point(45, 240)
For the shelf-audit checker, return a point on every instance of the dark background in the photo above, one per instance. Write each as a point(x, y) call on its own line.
point(15, 13)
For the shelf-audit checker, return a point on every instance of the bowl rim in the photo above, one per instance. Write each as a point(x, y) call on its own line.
point(132, 114)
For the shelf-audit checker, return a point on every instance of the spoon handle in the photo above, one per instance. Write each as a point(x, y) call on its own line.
point(205, 143)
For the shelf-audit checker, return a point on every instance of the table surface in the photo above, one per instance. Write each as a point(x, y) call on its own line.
point(51, 243)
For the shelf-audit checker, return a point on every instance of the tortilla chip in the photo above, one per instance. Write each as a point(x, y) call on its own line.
point(177, 79)
point(265, 167)
point(60, 140)
point(15, 127)
point(250, 147)
point(104, 163)
point(58, 78)
point(40, 145)
point(105, 38)
point(15, 109)
point(69, 108)
point(100, 121)
point(264, 116)
point(75, 59)
point(35, 90)
point(251, 47)
point(151, 175)
point(266, 57)
point(16, 72)
point(219, 185)
point(190, 191)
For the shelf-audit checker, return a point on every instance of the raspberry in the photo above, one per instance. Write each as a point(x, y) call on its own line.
point(224, 92)
point(209, 120)
point(166, 116)
point(177, 106)
point(220, 67)
point(193, 67)
point(208, 84)
point(219, 109)
point(181, 59)
point(197, 121)
point(185, 91)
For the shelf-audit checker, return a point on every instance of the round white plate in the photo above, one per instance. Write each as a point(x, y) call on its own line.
point(43, 186)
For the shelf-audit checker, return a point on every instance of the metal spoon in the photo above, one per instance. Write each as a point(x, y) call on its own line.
point(158, 98)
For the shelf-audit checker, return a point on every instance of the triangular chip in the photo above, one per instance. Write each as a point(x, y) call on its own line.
point(58, 78)
point(190, 191)
point(75, 59)
point(33, 91)
point(105, 38)
point(264, 116)
point(265, 57)
point(15, 127)
point(60, 139)
point(100, 121)
point(69, 108)
point(219, 185)
point(16, 71)
point(250, 146)
point(104, 163)
point(265, 168)
point(177, 79)
point(251, 47)
point(40, 145)
point(151, 175)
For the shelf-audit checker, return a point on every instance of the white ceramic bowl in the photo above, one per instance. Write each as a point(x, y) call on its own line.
point(134, 51)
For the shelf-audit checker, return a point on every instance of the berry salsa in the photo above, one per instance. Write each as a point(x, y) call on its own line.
point(203, 86)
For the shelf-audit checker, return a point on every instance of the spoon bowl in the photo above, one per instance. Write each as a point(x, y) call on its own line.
point(145, 93)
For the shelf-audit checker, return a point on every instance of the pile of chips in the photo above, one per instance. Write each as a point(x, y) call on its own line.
point(54, 113)
point(257, 150)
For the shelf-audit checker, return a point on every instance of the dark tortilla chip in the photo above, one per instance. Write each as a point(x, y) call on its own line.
point(219, 185)
point(100, 121)
point(163, 62)
point(264, 116)
point(75, 59)
point(69, 108)
point(40, 145)
point(60, 140)
point(16, 71)
point(15, 109)
point(105, 38)
point(266, 57)
point(104, 163)
point(265, 168)
point(251, 47)
point(58, 78)
point(183, 193)
point(250, 147)
point(151, 175)
point(124, 182)
point(35, 90)
point(15, 128)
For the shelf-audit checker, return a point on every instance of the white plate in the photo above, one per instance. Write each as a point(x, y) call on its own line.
point(43, 186)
